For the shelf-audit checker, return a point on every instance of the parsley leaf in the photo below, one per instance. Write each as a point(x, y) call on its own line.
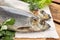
point(10, 21)
point(35, 4)
point(6, 34)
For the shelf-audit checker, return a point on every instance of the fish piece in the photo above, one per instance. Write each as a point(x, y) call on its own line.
point(45, 15)
point(25, 21)
point(22, 18)
point(27, 29)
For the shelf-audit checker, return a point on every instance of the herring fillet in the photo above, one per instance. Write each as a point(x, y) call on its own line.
point(24, 20)
point(22, 17)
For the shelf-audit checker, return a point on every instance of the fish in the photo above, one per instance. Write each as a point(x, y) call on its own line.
point(25, 21)
point(45, 15)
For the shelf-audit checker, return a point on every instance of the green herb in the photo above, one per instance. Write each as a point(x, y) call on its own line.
point(4, 27)
point(37, 4)
point(10, 21)
point(9, 35)
point(33, 7)
point(6, 34)
point(44, 3)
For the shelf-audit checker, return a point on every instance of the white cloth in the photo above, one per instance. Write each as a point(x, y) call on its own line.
point(50, 33)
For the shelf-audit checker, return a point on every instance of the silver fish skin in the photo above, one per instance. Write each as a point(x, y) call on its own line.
point(22, 17)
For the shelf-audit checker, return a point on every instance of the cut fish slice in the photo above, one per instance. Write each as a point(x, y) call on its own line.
point(25, 21)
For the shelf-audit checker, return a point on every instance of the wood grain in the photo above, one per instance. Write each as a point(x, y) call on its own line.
point(57, 1)
point(55, 10)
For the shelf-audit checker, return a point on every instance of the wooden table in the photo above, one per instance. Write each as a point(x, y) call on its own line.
point(57, 28)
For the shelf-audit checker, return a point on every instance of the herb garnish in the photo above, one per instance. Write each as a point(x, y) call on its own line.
point(37, 4)
point(6, 34)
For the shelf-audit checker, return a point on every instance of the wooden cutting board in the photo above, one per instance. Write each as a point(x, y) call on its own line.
point(55, 10)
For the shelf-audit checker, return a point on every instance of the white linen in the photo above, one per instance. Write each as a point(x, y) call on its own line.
point(50, 33)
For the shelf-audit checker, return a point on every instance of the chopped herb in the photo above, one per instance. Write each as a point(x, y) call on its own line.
point(34, 4)
point(10, 21)
point(6, 34)
point(4, 27)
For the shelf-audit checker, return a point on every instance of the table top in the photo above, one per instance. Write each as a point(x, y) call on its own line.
point(55, 10)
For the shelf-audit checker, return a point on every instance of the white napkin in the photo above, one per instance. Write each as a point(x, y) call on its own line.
point(50, 33)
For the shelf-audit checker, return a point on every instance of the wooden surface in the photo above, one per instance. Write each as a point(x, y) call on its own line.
point(57, 1)
point(55, 10)
point(56, 25)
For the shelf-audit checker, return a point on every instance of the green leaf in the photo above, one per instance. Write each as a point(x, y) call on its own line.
point(9, 35)
point(4, 27)
point(4, 33)
point(39, 3)
point(7, 38)
point(33, 7)
point(10, 21)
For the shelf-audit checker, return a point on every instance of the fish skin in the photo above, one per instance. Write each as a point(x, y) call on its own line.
point(16, 11)
point(14, 14)
point(22, 21)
